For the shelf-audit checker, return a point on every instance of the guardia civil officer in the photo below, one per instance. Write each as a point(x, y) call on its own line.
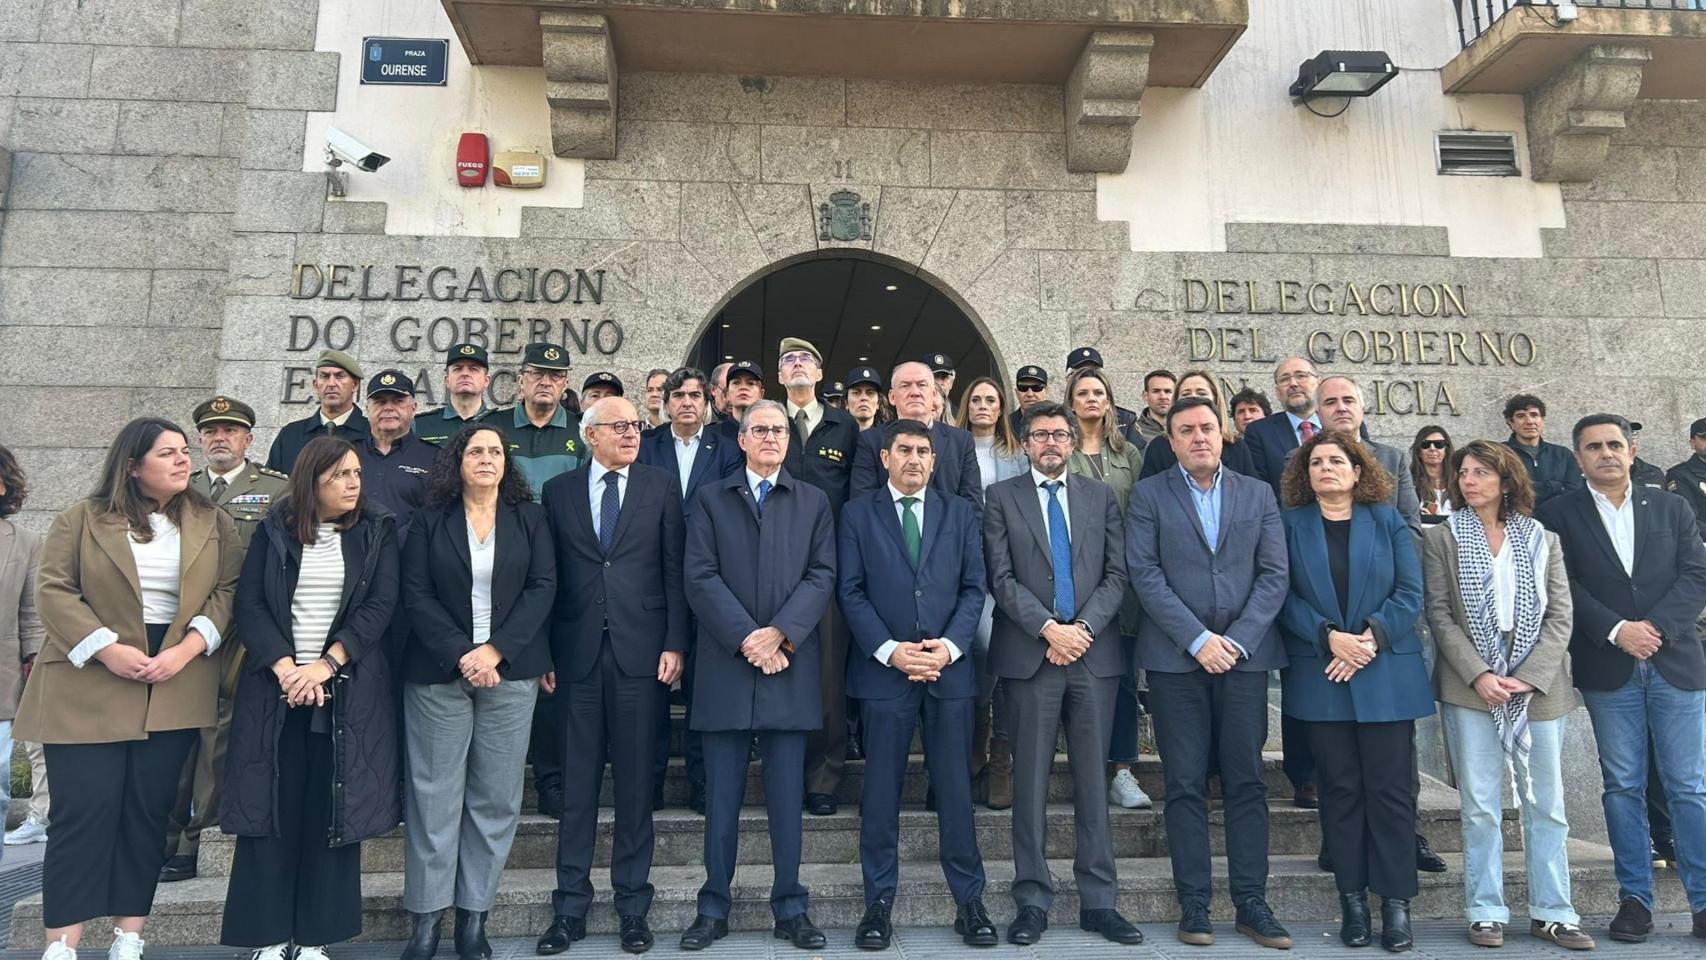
point(467, 375)
point(246, 491)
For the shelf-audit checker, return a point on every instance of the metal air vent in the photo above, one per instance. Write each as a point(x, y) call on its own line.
point(1473, 153)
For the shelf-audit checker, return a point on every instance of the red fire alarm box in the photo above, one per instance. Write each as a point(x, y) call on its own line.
point(473, 158)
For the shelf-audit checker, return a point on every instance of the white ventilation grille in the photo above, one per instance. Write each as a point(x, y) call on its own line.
point(1472, 153)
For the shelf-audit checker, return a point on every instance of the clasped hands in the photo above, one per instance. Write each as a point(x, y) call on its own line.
point(124, 660)
point(922, 661)
point(479, 666)
point(304, 685)
point(1351, 652)
point(763, 649)
point(1639, 639)
point(1066, 642)
point(1497, 690)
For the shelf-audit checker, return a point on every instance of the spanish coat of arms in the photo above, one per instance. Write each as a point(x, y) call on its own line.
point(844, 217)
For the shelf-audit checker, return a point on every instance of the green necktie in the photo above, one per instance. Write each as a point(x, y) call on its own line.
point(909, 529)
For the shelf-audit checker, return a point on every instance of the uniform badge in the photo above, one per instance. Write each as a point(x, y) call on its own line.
point(259, 498)
point(552, 353)
point(467, 350)
point(219, 405)
point(941, 359)
point(388, 379)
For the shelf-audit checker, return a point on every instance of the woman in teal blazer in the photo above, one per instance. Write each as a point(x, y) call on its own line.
point(1356, 674)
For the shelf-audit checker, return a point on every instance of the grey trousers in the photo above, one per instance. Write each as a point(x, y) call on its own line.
point(467, 756)
point(1037, 707)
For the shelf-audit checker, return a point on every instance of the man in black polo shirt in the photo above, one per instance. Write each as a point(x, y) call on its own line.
point(467, 374)
point(394, 462)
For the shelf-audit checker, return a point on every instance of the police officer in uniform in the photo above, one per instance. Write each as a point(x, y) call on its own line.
point(467, 374)
point(1091, 357)
point(835, 395)
point(337, 377)
point(1688, 478)
point(246, 490)
point(598, 386)
point(1030, 384)
point(865, 403)
point(942, 368)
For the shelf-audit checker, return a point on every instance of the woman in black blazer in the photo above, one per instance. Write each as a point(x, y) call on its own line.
point(479, 581)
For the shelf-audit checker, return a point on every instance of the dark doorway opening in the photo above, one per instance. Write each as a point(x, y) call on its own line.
point(857, 312)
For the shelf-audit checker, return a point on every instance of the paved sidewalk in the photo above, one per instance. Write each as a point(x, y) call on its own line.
point(1435, 940)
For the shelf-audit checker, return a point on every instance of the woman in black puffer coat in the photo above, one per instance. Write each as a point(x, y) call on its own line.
point(313, 763)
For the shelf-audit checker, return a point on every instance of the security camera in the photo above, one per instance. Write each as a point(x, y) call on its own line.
point(342, 148)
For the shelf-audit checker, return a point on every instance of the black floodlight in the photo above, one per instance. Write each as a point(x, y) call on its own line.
point(1343, 73)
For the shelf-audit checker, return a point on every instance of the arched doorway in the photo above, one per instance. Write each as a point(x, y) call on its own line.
point(857, 308)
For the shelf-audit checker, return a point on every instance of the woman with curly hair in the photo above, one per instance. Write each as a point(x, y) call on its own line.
point(479, 579)
point(1356, 675)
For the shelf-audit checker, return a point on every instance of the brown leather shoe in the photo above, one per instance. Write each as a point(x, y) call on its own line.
point(1000, 774)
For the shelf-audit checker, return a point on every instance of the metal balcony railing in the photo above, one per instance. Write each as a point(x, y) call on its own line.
point(1475, 17)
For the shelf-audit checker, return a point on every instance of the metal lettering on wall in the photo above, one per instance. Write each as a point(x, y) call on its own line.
point(1397, 351)
point(418, 335)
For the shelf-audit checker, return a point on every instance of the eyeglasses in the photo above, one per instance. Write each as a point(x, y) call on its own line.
point(762, 432)
point(1044, 436)
point(798, 356)
point(622, 427)
point(1434, 444)
point(555, 376)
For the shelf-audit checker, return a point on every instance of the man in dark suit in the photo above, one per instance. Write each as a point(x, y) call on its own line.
point(911, 386)
point(618, 639)
point(337, 377)
point(820, 452)
point(760, 570)
point(910, 569)
point(696, 455)
point(1207, 555)
point(1637, 583)
point(1057, 571)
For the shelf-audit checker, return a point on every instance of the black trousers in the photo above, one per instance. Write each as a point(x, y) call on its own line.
point(545, 745)
point(111, 803)
point(1368, 810)
point(693, 748)
point(608, 714)
point(1195, 711)
point(292, 887)
point(1297, 754)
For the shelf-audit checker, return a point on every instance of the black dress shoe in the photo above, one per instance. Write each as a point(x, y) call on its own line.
point(704, 932)
point(1306, 797)
point(423, 936)
point(875, 932)
point(1028, 927)
point(1633, 922)
point(636, 934)
point(801, 932)
point(551, 802)
point(471, 941)
point(563, 931)
point(974, 926)
point(820, 805)
point(1354, 925)
point(696, 796)
point(1256, 921)
point(1395, 933)
point(1194, 926)
point(1110, 925)
point(180, 867)
point(1427, 860)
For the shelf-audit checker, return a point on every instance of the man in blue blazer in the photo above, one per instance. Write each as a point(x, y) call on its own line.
point(618, 640)
point(1207, 557)
point(910, 387)
point(1637, 585)
point(910, 569)
point(696, 454)
point(760, 571)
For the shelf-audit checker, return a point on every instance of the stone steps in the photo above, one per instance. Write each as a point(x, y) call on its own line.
point(835, 839)
point(190, 912)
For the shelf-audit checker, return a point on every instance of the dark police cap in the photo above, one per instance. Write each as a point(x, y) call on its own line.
point(939, 363)
point(546, 356)
point(391, 381)
point(472, 352)
point(1031, 371)
point(223, 409)
point(835, 389)
point(863, 375)
point(746, 367)
point(603, 378)
point(1698, 428)
point(1081, 356)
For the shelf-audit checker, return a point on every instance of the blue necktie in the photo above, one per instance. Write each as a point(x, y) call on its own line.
point(763, 492)
point(608, 510)
point(1060, 547)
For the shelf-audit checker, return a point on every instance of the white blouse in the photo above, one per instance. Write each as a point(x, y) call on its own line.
point(481, 553)
point(158, 573)
point(319, 593)
point(1504, 580)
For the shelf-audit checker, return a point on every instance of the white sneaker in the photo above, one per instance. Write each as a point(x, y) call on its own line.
point(311, 953)
point(278, 951)
point(1126, 792)
point(30, 831)
point(57, 950)
point(126, 946)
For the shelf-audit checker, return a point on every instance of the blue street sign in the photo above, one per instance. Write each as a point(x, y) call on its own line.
point(405, 61)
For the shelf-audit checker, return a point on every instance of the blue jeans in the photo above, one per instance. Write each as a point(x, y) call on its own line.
point(1676, 720)
point(1482, 772)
